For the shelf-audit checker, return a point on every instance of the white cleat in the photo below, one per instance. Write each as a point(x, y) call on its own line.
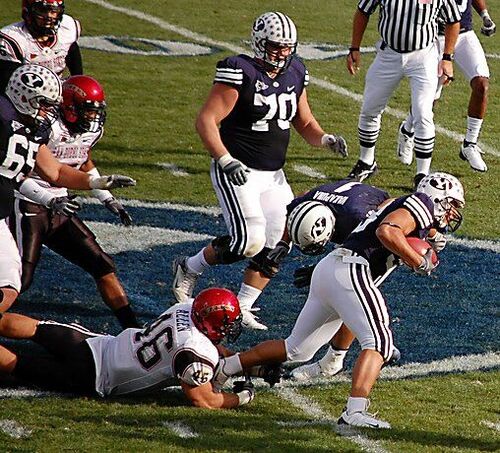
point(250, 320)
point(363, 420)
point(406, 143)
point(184, 281)
point(472, 153)
point(315, 370)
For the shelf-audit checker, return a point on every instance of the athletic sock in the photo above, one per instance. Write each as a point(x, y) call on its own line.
point(197, 264)
point(247, 296)
point(473, 129)
point(367, 155)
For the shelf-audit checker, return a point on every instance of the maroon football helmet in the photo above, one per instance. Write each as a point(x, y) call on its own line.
point(83, 106)
point(42, 17)
point(216, 313)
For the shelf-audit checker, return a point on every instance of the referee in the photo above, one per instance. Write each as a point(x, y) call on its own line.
point(408, 48)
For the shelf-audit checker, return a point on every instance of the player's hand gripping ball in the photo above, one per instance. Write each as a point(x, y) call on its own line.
point(430, 259)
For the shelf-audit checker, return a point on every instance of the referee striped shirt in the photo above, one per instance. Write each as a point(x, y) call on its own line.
point(408, 25)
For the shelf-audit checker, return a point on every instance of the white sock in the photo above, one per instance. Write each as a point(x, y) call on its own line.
point(197, 263)
point(367, 155)
point(356, 404)
point(247, 296)
point(232, 365)
point(424, 165)
point(473, 129)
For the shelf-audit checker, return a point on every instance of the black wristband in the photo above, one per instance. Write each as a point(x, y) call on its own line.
point(353, 49)
point(448, 57)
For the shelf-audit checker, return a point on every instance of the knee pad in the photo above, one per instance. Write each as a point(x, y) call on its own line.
point(268, 260)
point(222, 251)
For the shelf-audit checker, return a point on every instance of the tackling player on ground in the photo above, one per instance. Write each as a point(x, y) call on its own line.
point(45, 215)
point(254, 100)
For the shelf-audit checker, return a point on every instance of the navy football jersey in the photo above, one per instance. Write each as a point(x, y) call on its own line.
point(364, 241)
point(257, 130)
point(349, 201)
point(18, 148)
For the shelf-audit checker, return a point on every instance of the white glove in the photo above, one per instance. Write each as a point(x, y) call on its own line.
point(235, 170)
point(110, 182)
point(220, 377)
point(336, 143)
point(488, 28)
point(438, 241)
point(426, 266)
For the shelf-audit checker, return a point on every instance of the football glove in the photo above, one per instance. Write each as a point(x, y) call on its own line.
point(245, 390)
point(336, 143)
point(302, 276)
point(488, 28)
point(271, 263)
point(220, 377)
point(110, 182)
point(235, 170)
point(64, 205)
point(272, 373)
point(438, 241)
point(426, 266)
point(113, 205)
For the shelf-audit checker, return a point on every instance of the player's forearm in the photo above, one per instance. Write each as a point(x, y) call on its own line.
point(311, 132)
point(271, 351)
point(210, 136)
point(72, 178)
point(359, 24)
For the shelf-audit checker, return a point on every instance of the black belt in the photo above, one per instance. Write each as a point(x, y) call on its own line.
point(384, 45)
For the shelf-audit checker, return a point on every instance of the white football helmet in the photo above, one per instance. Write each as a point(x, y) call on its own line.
point(310, 226)
point(447, 194)
point(35, 91)
point(276, 29)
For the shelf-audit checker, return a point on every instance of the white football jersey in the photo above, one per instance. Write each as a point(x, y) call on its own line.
point(17, 44)
point(169, 349)
point(68, 148)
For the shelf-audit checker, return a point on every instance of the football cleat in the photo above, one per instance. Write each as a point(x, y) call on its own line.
point(472, 154)
point(416, 180)
point(362, 419)
point(406, 144)
point(184, 280)
point(250, 320)
point(362, 171)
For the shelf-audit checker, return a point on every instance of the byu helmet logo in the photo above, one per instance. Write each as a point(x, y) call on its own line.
point(318, 227)
point(439, 184)
point(32, 80)
point(259, 25)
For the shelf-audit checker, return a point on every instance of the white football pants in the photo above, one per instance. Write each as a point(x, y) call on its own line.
point(10, 261)
point(255, 213)
point(341, 291)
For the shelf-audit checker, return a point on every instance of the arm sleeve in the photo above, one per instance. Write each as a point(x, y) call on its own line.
point(450, 13)
point(74, 60)
point(368, 7)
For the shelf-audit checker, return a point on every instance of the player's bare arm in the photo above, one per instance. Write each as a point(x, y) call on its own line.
point(392, 234)
point(359, 24)
point(306, 124)
point(204, 396)
point(446, 65)
point(220, 102)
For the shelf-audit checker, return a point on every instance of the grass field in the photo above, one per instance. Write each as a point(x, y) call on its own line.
point(153, 101)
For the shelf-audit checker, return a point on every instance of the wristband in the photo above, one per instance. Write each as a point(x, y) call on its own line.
point(448, 57)
point(353, 49)
point(101, 195)
point(225, 160)
point(484, 13)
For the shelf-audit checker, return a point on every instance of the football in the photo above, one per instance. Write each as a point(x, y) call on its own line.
point(421, 246)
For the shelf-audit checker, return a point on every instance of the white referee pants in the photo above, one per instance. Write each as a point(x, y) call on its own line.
point(255, 213)
point(342, 291)
point(383, 77)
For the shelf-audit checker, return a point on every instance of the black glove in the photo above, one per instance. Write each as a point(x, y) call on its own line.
point(272, 261)
point(117, 208)
point(64, 205)
point(302, 276)
point(272, 373)
point(488, 28)
point(235, 170)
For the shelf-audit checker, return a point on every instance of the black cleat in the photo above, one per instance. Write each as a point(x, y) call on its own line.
point(362, 171)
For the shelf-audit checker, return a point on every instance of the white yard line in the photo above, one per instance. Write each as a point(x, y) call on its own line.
point(308, 171)
point(181, 429)
point(237, 49)
point(173, 169)
point(14, 429)
point(495, 426)
point(313, 410)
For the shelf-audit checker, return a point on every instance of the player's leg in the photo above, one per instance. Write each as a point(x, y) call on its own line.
point(265, 265)
point(381, 80)
point(422, 71)
point(73, 240)
point(470, 58)
point(10, 268)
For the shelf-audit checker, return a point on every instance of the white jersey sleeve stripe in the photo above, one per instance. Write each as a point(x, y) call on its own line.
point(417, 208)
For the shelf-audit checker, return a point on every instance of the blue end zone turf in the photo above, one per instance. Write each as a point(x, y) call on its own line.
point(454, 312)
